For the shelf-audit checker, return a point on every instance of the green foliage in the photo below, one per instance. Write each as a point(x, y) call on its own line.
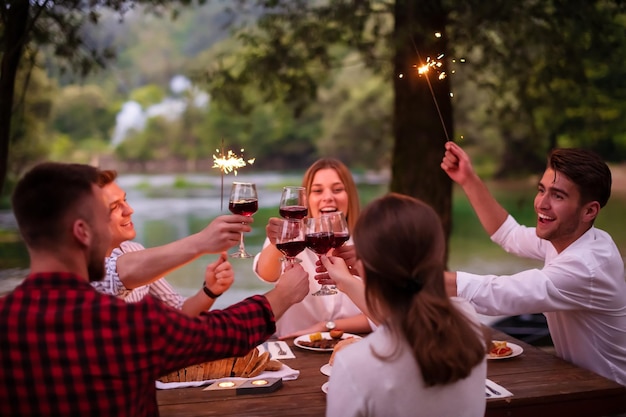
point(29, 134)
point(550, 75)
point(83, 112)
point(356, 109)
point(147, 95)
point(270, 133)
point(315, 78)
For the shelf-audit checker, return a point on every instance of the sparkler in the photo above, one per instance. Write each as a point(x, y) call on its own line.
point(227, 163)
point(423, 70)
point(432, 65)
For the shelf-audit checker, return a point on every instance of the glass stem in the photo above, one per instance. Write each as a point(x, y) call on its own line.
point(242, 248)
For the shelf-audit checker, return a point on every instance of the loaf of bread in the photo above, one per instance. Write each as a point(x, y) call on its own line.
point(247, 366)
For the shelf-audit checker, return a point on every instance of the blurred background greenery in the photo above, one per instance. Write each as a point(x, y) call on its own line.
point(192, 77)
point(165, 104)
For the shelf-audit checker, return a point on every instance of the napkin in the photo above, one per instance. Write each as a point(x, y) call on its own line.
point(274, 348)
point(285, 372)
point(496, 391)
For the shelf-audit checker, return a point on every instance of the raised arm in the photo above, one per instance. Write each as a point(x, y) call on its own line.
point(291, 289)
point(268, 265)
point(218, 277)
point(456, 163)
point(136, 269)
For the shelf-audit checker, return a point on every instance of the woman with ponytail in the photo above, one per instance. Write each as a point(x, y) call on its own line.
point(428, 355)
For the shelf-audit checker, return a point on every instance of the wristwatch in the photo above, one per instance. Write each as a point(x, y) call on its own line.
point(330, 325)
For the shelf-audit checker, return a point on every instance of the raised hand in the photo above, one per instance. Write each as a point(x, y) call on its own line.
point(337, 270)
point(223, 233)
point(291, 288)
point(219, 275)
point(457, 164)
point(348, 254)
point(273, 229)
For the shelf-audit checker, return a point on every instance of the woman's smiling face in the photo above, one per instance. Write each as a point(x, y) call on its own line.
point(327, 193)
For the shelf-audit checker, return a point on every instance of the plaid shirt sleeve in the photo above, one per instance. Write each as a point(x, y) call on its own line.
point(68, 350)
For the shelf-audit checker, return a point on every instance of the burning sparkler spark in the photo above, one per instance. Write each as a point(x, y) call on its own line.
point(435, 64)
point(228, 163)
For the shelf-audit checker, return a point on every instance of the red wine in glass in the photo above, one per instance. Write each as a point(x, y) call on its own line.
point(319, 238)
point(293, 212)
point(340, 239)
point(320, 242)
point(243, 201)
point(291, 249)
point(245, 207)
point(293, 203)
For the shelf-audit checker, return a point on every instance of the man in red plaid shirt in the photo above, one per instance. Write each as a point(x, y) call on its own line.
point(67, 350)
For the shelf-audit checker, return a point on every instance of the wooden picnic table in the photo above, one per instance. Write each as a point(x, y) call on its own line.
point(541, 383)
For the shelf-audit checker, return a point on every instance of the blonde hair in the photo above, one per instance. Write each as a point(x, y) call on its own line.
point(354, 207)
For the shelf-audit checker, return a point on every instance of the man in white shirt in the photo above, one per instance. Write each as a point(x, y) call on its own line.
point(132, 271)
point(581, 288)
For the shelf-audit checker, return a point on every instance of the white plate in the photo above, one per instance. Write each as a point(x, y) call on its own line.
point(325, 335)
point(325, 387)
point(517, 350)
point(326, 369)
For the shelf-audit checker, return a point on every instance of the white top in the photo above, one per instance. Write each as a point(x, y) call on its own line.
point(111, 284)
point(312, 309)
point(362, 384)
point(581, 291)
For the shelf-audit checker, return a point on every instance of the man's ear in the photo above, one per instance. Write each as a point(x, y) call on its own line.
point(82, 232)
point(590, 211)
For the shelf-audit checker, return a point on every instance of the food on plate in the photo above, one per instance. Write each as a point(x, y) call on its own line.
point(500, 349)
point(319, 344)
point(313, 337)
point(247, 366)
point(336, 333)
point(340, 345)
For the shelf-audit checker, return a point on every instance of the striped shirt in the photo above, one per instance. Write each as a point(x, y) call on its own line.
point(111, 284)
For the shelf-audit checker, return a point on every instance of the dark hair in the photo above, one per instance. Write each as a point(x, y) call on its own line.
point(401, 243)
point(346, 178)
point(587, 170)
point(106, 177)
point(45, 195)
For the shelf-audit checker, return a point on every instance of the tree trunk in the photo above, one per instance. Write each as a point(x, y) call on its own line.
point(14, 39)
point(420, 113)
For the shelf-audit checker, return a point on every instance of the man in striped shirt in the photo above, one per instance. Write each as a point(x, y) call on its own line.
point(132, 271)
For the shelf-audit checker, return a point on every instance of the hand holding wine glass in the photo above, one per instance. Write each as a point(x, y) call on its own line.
point(243, 201)
point(293, 204)
point(319, 238)
point(290, 241)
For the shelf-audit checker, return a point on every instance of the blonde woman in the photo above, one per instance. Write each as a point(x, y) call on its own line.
point(330, 187)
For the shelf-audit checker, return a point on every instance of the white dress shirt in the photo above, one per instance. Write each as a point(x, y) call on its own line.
point(362, 384)
point(581, 291)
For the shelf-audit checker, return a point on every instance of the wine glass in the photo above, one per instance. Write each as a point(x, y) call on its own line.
point(293, 203)
point(291, 240)
point(319, 238)
point(244, 201)
point(339, 226)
